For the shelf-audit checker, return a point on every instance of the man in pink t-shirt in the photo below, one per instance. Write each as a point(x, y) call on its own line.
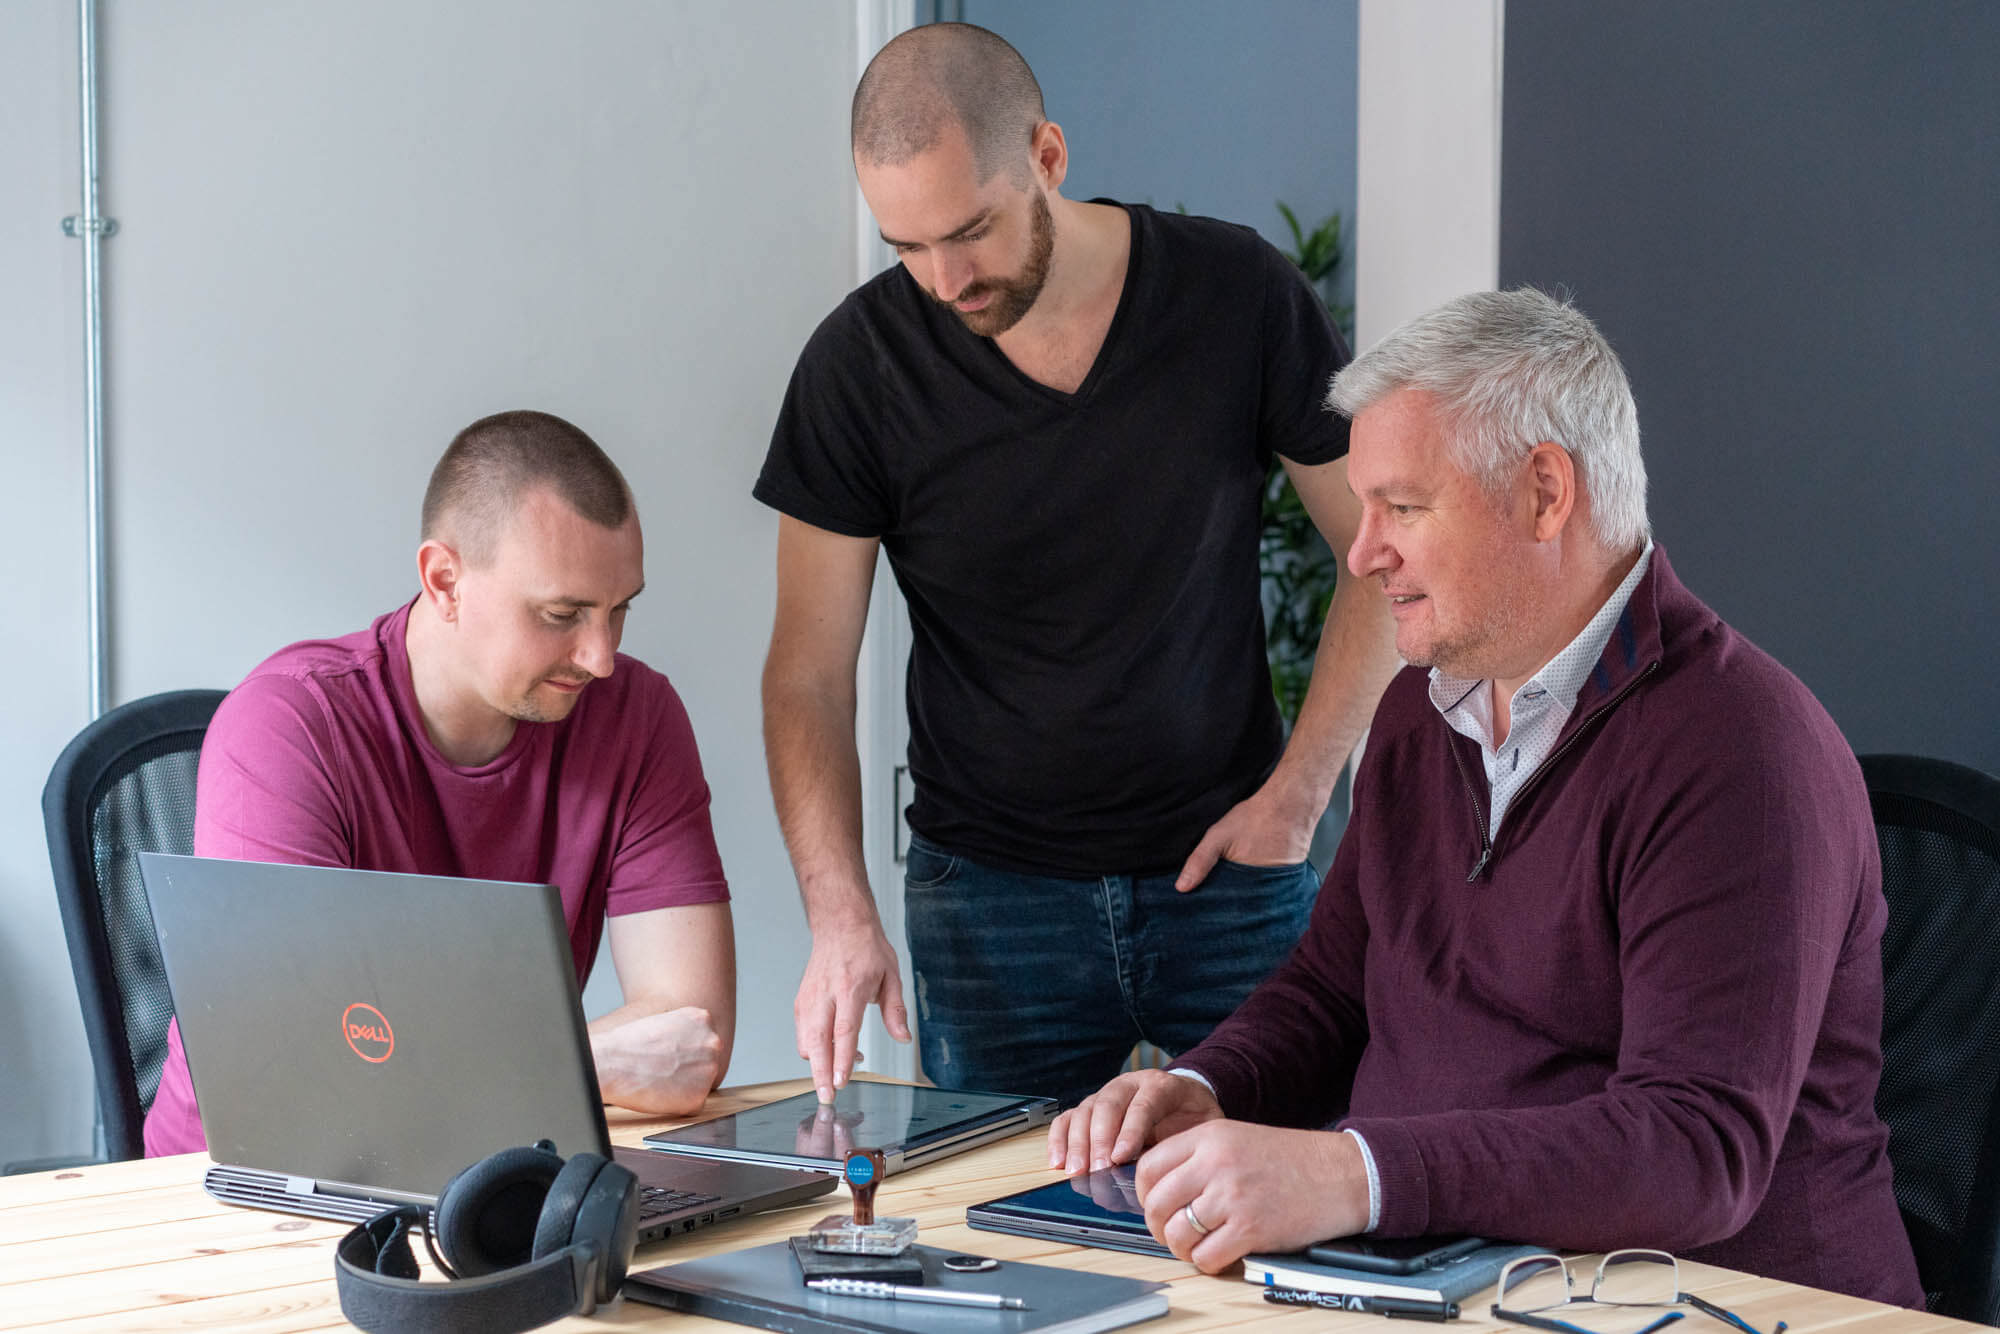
point(491, 729)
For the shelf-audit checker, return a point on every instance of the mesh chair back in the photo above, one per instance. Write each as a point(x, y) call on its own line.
point(125, 785)
point(1939, 828)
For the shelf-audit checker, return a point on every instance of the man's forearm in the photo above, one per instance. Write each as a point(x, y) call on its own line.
point(1356, 659)
point(816, 786)
point(816, 782)
point(1286, 1056)
point(664, 1062)
point(721, 1018)
point(669, 1043)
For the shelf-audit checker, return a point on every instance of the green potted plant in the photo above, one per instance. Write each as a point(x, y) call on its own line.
point(1299, 570)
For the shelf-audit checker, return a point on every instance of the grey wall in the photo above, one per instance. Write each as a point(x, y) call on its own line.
point(44, 1071)
point(348, 230)
point(1786, 216)
point(1223, 108)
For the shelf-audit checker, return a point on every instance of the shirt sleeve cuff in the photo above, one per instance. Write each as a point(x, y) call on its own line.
point(1202, 1079)
point(1374, 1179)
point(1405, 1183)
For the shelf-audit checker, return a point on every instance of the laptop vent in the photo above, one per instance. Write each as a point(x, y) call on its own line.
point(267, 1190)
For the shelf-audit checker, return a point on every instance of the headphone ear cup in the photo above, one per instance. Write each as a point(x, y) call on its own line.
point(608, 1221)
point(487, 1215)
point(557, 1223)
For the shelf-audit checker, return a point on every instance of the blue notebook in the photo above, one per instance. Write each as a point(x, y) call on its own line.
point(1449, 1282)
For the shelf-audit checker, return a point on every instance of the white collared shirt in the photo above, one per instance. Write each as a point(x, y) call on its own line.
point(1539, 708)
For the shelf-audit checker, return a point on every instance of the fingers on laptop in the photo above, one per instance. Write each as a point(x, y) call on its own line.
point(813, 1014)
point(839, 982)
point(895, 1015)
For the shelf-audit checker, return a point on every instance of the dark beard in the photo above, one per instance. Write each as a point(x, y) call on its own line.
point(1012, 297)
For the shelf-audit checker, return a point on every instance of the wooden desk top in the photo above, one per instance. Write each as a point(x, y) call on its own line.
point(140, 1246)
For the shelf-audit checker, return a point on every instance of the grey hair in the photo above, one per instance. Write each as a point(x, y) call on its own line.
point(1510, 370)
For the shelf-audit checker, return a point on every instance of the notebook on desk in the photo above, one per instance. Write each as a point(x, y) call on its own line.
point(356, 1037)
point(762, 1287)
point(1451, 1281)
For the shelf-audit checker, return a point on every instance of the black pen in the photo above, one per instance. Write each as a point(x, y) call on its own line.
point(1396, 1308)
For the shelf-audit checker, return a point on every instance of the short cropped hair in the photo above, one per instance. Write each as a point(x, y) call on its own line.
point(943, 74)
point(1508, 371)
point(493, 462)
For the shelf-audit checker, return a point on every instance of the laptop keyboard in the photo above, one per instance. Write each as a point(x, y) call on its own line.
point(657, 1200)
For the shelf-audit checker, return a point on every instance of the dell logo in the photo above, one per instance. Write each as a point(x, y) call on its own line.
point(367, 1031)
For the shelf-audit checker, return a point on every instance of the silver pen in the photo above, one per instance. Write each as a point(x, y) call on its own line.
point(909, 1292)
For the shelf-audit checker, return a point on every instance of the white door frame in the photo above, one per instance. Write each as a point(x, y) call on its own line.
point(881, 722)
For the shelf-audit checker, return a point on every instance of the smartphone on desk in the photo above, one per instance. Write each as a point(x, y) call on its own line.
point(1393, 1255)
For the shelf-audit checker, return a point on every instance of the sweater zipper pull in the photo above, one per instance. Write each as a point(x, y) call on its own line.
point(1485, 855)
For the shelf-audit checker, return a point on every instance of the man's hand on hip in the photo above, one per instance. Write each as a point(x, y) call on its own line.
point(1134, 1110)
point(1273, 826)
point(850, 966)
point(1227, 1188)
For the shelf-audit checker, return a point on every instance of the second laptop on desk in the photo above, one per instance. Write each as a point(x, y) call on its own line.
point(356, 1037)
point(908, 1124)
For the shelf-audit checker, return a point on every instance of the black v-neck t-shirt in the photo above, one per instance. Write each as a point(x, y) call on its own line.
point(1087, 684)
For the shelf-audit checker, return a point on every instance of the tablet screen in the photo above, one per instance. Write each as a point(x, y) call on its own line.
point(863, 1115)
point(1106, 1199)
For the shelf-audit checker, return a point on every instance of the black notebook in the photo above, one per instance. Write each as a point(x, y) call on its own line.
point(762, 1287)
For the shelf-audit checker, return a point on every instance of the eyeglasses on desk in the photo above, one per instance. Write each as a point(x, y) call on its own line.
point(1534, 1285)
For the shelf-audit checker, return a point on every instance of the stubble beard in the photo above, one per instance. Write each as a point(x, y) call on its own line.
point(1460, 654)
point(1013, 297)
point(1471, 650)
point(528, 710)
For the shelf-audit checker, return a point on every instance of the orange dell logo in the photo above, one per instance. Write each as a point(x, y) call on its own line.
point(367, 1031)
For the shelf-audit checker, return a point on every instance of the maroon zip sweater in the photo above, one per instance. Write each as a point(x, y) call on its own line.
point(1647, 1014)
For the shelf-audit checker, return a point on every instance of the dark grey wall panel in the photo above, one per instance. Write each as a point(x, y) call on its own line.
point(1786, 217)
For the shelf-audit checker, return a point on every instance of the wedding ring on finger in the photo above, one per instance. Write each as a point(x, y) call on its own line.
point(1194, 1221)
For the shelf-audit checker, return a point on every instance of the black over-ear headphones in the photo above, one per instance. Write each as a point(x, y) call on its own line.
point(527, 1237)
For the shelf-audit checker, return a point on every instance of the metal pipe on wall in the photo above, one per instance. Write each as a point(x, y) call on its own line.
point(91, 228)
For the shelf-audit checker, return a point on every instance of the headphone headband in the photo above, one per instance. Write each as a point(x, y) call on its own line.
point(376, 1276)
point(579, 1258)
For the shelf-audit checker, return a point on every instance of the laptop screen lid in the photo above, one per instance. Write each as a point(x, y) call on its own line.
point(373, 1031)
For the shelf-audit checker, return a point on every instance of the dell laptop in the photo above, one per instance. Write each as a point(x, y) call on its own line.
point(357, 1037)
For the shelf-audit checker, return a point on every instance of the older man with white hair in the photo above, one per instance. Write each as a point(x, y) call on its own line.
point(1598, 963)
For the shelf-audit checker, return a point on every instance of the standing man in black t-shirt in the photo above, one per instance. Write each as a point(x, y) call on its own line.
point(1055, 417)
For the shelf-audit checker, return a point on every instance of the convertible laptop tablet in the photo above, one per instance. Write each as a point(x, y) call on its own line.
point(1102, 1209)
point(910, 1125)
point(1096, 1209)
point(356, 1037)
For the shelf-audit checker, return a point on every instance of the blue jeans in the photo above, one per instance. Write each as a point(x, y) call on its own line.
point(1042, 984)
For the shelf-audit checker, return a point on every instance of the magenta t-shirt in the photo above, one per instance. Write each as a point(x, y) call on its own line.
point(320, 758)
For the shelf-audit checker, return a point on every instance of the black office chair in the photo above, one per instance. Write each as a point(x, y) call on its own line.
point(1939, 827)
point(124, 786)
